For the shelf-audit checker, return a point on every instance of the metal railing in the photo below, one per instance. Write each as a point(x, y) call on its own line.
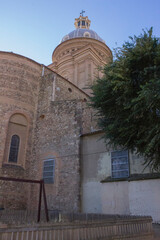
point(27, 216)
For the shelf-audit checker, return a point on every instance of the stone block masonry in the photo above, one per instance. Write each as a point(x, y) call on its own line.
point(57, 134)
point(19, 88)
point(49, 114)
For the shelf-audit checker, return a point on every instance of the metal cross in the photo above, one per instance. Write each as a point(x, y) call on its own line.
point(82, 13)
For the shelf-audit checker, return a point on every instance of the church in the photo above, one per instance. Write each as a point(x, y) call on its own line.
point(48, 131)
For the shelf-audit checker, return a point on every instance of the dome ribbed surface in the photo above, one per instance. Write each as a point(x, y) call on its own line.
point(80, 33)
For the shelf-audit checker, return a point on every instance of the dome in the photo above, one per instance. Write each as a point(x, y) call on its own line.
point(82, 32)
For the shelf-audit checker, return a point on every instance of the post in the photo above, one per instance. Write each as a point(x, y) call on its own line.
point(40, 199)
point(45, 201)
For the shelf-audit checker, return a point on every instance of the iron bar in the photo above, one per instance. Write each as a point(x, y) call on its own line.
point(42, 188)
point(40, 200)
point(19, 180)
point(45, 202)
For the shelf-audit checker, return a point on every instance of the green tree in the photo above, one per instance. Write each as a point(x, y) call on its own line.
point(128, 97)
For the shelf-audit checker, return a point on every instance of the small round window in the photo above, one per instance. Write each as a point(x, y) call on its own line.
point(86, 34)
point(65, 38)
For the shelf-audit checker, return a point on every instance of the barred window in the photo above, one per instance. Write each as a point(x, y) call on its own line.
point(48, 170)
point(14, 148)
point(120, 165)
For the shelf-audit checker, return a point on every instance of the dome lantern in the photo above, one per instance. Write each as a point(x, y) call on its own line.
point(82, 22)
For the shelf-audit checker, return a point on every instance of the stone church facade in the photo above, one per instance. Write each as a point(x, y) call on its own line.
point(48, 114)
point(42, 116)
point(48, 130)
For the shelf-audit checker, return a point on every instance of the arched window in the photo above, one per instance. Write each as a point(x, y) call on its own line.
point(16, 140)
point(65, 38)
point(87, 34)
point(14, 148)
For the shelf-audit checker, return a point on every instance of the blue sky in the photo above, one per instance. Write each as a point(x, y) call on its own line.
point(33, 28)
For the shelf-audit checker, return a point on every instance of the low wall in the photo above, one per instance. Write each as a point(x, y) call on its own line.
point(130, 228)
point(133, 198)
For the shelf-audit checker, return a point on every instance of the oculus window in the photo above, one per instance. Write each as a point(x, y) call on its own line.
point(66, 37)
point(86, 34)
point(120, 164)
point(48, 170)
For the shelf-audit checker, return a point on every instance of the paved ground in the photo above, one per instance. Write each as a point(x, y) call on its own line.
point(156, 228)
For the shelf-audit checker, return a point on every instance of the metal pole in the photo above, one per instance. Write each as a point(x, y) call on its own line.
point(28, 181)
point(19, 180)
point(45, 202)
point(40, 200)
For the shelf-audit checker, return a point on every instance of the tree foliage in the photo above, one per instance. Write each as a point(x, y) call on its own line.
point(128, 97)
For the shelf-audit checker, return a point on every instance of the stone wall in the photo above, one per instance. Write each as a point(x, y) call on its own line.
point(49, 113)
point(62, 117)
point(19, 87)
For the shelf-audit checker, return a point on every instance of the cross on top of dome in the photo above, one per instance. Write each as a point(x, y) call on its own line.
point(82, 13)
point(82, 22)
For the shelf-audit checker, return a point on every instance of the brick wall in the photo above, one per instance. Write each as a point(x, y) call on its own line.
point(57, 114)
point(19, 87)
point(61, 119)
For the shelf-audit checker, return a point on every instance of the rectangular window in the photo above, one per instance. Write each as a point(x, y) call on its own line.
point(120, 165)
point(83, 23)
point(48, 170)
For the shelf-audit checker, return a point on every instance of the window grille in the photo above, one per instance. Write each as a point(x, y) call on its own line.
point(14, 148)
point(48, 170)
point(120, 164)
